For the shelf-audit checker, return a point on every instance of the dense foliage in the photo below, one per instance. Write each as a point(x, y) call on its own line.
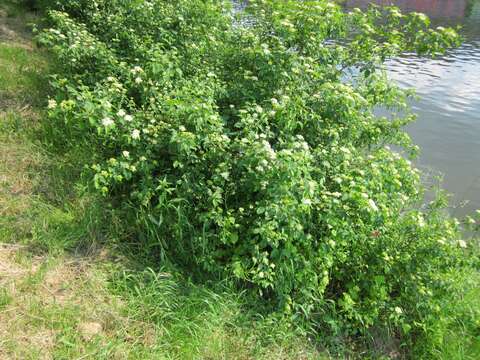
point(247, 146)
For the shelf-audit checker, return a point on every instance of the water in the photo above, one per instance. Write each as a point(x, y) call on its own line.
point(448, 125)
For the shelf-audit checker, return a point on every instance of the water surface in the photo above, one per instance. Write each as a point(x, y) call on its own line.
point(448, 125)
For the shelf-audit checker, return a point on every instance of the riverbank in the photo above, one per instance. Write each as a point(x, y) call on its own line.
point(74, 285)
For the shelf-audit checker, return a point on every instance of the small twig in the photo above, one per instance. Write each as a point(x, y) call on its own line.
point(36, 317)
point(12, 246)
point(85, 356)
point(8, 310)
point(50, 291)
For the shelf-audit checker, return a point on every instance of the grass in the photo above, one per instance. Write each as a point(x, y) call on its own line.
point(462, 325)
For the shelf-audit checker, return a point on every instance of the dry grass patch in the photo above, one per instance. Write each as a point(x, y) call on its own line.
point(18, 177)
point(14, 24)
point(61, 307)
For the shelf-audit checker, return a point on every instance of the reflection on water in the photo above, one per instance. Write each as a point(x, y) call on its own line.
point(448, 125)
point(434, 8)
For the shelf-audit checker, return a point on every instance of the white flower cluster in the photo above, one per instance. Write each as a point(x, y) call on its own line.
point(136, 69)
point(107, 122)
point(52, 104)
point(301, 144)
point(268, 149)
point(122, 114)
point(135, 134)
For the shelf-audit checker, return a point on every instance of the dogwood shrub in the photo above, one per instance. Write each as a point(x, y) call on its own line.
point(248, 147)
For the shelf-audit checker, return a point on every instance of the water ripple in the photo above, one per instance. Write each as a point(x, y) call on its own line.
point(448, 126)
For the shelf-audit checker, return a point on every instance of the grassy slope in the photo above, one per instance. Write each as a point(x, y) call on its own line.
point(65, 296)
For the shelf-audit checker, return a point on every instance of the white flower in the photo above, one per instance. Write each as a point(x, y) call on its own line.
point(462, 243)
point(125, 153)
point(421, 221)
point(52, 104)
point(307, 202)
point(107, 122)
point(135, 134)
point(138, 80)
point(372, 204)
point(345, 150)
point(470, 220)
point(128, 118)
point(121, 113)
